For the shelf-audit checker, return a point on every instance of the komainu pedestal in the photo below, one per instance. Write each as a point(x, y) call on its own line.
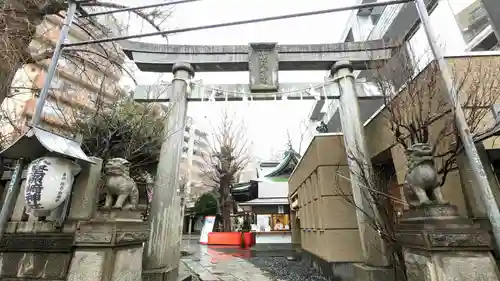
point(440, 245)
point(108, 240)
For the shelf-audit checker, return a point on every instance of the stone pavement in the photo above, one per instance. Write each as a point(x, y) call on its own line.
point(208, 263)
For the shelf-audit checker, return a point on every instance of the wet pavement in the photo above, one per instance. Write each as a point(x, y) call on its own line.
point(211, 264)
point(215, 263)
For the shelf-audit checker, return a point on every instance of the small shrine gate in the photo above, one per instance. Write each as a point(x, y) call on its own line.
point(263, 61)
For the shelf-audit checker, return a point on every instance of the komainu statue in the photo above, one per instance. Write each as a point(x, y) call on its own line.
point(119, 186)
point(421, 181)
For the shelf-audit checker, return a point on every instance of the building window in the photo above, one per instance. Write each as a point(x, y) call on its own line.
point(448, 37)
point(273, 222)
point(51, 109)
point(92, 97)
point(376, 13)
point(470, 16)
point(64, 62)
point(350, 36)
point(56, 82)
point(71, 91)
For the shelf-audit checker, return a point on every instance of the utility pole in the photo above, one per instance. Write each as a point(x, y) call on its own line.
point(463, 129)
point(37, 115)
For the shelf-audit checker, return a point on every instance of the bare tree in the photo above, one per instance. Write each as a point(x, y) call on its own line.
point(278, 154)
point(303, 131)
point(21, 24)
point(381, 205)
point(227, 158)
point(417, 107)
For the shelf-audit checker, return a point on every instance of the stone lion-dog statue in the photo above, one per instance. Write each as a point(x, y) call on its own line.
point(421, 180)
point(118, 184)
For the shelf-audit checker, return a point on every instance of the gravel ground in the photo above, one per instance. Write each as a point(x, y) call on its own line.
point(280, 268)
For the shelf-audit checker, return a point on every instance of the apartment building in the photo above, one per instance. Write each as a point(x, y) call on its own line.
point(195, 148)
point(460, 26)
point(80, 80)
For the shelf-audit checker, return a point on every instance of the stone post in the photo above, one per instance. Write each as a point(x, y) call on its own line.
point(359, 162)
point(162, 251)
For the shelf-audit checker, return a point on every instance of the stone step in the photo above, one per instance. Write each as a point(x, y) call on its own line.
point(185, 277)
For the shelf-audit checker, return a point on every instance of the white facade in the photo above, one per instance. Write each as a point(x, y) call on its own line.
point(192, 166)
point(460, 26)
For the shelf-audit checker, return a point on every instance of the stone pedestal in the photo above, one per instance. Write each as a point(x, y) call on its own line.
point(108, 250)
point(32, 250)
point(440, 245)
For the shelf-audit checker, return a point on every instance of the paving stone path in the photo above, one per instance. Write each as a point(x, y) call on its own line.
point(212, 264)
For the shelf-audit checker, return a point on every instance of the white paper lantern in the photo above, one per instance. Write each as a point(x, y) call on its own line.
point(48, 182)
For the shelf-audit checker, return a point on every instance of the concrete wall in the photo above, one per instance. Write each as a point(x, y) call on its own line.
point(278, 237)
point(272, 189)
point(326, 217)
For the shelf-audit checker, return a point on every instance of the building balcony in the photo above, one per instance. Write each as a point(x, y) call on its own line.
point(78, 34)
point(199, 162)
point(65, 90)
point(83, 78)
point(56, 116)
point(96, 55)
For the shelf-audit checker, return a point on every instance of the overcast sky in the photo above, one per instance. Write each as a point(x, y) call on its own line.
point(267, 122)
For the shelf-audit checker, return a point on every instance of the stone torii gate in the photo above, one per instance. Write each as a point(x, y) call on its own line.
point(263, 61)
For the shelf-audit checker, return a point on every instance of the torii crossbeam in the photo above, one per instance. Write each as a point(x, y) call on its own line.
point(217, 58)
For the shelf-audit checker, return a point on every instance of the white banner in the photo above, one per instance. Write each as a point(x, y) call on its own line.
point(208, 226)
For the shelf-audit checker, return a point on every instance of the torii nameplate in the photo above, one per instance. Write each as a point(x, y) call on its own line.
point(263, 67)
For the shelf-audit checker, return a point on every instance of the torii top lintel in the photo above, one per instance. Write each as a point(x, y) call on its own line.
point(216, 58)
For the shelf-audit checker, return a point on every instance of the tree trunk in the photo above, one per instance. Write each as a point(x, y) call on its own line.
point(18, 24)
point(225, 206)
point(226, 217)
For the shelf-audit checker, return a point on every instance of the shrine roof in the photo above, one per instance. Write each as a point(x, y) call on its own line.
point(289, 161)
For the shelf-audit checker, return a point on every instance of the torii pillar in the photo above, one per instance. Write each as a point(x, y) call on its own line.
point(374, 248)
point(162, 251)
